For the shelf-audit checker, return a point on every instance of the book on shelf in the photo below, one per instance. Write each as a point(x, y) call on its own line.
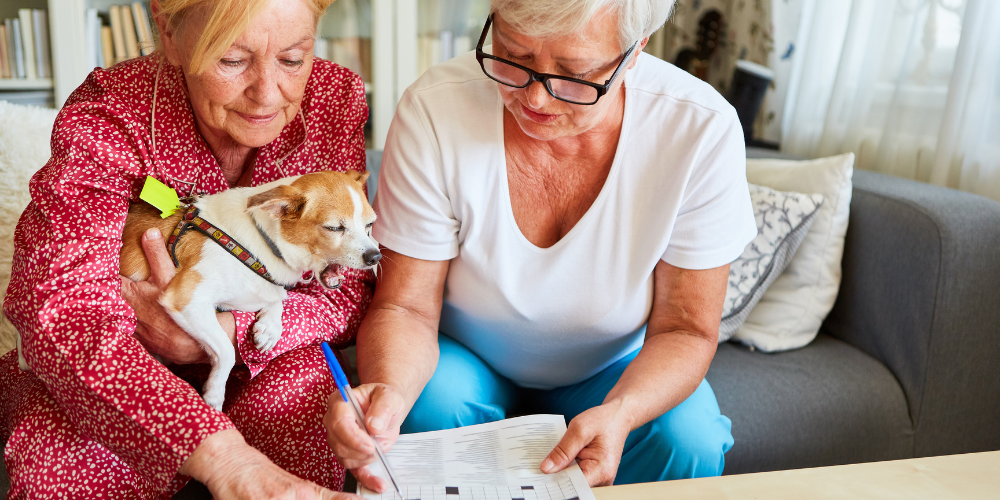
point(128, 27)
point(434, 48)
point(351, 52)
point(4, 53)
point(8, 29)
point(123, 32)
point(92, 29)
point(28, 43)
point(107, 47)
point(142, 27)
point(17, 51)
point(118, 33)
point(43, 58)
point(25, 46)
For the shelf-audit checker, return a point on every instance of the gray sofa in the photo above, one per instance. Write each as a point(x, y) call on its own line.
point(903, 366)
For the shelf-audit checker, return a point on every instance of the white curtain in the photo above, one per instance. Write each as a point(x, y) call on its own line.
point(910, 86)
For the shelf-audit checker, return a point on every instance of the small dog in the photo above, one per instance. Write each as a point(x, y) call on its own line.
point(270, 236)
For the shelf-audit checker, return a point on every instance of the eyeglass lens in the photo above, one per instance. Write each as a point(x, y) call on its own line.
point(517, 77)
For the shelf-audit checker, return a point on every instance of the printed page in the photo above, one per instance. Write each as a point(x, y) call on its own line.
point(494, 461)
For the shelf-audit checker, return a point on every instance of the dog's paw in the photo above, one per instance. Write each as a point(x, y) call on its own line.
point(215, 399)
point(266, 331)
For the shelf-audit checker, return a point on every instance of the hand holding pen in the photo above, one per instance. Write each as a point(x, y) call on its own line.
point(354, 437)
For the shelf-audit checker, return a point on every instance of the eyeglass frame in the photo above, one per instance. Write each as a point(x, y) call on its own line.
point(543, 78)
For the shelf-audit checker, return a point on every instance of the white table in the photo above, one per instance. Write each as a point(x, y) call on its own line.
point(970, 476)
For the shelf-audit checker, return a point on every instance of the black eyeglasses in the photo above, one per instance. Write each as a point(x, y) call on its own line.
point(564, 88)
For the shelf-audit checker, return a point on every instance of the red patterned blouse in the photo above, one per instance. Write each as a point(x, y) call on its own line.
point(121, 125)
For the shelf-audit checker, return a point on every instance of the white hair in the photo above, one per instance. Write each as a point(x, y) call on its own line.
point(637, 19)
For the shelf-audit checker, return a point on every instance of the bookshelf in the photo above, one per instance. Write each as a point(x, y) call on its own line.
point(403, 46)
point(394, 41)
point(25, 84)
point(35, 86)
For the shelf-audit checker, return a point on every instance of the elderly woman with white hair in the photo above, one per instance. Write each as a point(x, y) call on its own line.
point(559, 212)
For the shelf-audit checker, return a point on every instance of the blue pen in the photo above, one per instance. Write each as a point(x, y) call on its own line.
point(345, 392)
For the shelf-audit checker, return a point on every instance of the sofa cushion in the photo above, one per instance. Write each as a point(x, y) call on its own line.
point(825, 404)
point(783, 219)
point(790, 313)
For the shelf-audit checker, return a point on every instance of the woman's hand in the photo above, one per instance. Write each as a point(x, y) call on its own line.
point(595, 438)
point(384, 409)
point(233, 470)
point(155, 329)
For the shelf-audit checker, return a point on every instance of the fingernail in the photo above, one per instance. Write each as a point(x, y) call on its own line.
point(377, 423)
point(152, 234)
point(547, 465)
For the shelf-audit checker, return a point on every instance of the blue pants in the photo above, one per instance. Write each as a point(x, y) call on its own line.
point(688, 441)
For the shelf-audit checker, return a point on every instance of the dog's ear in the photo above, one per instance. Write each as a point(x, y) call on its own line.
point(359, 177)
point(282, 202)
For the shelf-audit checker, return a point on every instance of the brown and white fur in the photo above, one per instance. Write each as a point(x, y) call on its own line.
point(318, 221)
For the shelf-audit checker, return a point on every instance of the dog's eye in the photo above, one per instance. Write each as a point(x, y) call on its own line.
point(338, 229)
point(369, 225)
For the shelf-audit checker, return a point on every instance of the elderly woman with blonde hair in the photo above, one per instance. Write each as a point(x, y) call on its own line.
point(559, 211)
point(231, 97)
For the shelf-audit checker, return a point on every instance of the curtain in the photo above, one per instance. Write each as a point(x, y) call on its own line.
point(910, 86)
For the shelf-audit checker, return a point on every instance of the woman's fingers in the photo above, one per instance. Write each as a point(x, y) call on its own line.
point(336, 495)
point(383, 407)
point(233, 470)
point(382, 410)
point(575, 439)
point(597, 473)
point(599, 462)
point(325, 494)
point(349, 442)
point(161, 267)
point(128, 289)
point(353, 444)
point(595, 441)
point(368, 480)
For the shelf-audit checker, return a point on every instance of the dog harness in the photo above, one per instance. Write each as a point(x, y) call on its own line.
point(190, 219)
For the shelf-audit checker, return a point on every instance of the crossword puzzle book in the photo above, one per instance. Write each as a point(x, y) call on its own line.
point(494, 461)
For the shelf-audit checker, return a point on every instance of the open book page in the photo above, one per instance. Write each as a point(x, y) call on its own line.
point(494, 461)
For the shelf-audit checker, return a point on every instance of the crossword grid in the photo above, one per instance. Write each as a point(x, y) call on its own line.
point(546, 491)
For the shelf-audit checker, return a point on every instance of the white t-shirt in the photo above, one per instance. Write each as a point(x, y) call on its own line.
point(549, 317)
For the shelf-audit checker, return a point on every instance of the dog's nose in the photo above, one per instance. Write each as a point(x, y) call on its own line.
point(371, 257)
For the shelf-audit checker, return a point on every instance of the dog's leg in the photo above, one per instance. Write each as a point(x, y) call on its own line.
point(267, 330)
point(201, 323)
point(195, 314)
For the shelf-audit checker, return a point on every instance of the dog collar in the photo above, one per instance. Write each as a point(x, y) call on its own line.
point(190, 219)
point(267, 239)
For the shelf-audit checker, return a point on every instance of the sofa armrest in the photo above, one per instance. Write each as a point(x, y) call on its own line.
point(921, 293)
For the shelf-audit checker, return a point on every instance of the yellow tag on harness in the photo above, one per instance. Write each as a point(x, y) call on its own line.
point(161, 196)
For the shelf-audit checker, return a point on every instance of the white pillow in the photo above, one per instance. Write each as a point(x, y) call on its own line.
point(792, 309)
point(783, 220)
point(25, 132)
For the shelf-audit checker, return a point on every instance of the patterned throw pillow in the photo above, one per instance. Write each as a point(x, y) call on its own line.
point(783, 219)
